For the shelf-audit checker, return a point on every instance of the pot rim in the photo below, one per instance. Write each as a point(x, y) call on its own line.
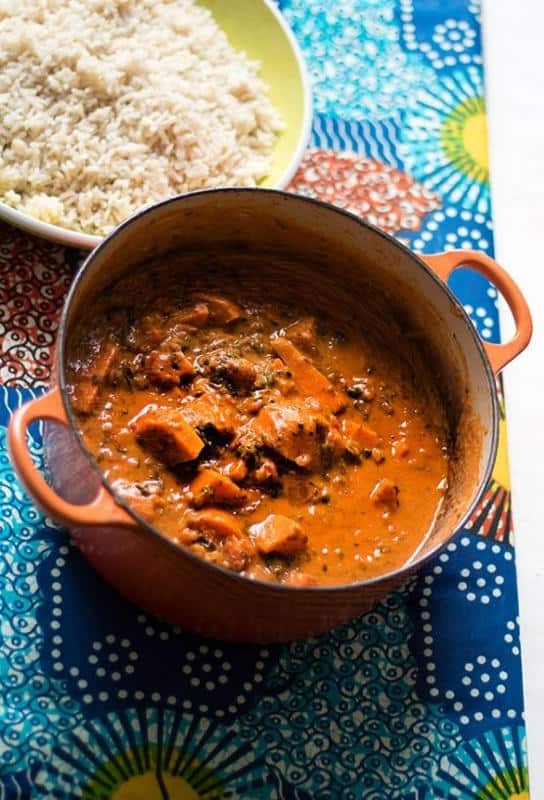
point(415, 562)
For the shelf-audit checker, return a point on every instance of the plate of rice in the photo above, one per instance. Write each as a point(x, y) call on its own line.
point(111, 105)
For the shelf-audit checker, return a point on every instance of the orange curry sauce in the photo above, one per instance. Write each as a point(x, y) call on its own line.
point(266, 440)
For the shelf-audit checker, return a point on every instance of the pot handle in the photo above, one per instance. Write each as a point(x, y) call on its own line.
point(103, 510)
point(443, 264)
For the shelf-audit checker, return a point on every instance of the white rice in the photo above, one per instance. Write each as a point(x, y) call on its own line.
point(108, 105)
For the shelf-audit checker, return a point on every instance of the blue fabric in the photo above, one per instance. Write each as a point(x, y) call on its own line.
point(419, 698)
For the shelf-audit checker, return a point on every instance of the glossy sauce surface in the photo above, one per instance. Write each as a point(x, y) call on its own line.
point(286, 445)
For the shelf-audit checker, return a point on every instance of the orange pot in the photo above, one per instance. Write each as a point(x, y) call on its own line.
point(172, 582)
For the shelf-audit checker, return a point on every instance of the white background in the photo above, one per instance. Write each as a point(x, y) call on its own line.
point(514, 62)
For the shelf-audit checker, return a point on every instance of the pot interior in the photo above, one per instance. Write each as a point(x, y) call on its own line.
point(319, 252)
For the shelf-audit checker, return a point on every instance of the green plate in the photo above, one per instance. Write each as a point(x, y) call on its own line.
point(258, 29)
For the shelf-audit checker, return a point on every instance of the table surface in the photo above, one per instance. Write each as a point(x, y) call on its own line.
point(513, 58)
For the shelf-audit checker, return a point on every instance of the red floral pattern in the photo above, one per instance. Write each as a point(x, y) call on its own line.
point(380, 194)
point(34, 278)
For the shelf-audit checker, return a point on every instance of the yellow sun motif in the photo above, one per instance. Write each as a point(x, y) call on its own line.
point(149, 787)
point(490, 767)
point(509, 785)
point(122, 778)
point(463, 137)
point(501, 470)
point(153, 755)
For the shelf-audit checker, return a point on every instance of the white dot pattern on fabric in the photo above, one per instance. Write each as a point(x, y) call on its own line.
point(111, 658)
point(461, 237)
point(452, 41)
point(210, 663)
point(484, 680)
point(473, 582)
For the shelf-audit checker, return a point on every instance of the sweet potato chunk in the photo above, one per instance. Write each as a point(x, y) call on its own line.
point(294, 431)
point(222, 532)
point(212, 488)
point(359, 436)
point(212, 410)
point(222, 311)
point(219, 524)
point(166, 370)
point(310, 381)
point(236, 470)
point(166, 434)
point(278, 534)
point(195, 316)
point(385, 493)
point(93, 375)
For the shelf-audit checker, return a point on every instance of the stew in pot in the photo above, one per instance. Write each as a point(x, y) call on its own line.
point(288, 443)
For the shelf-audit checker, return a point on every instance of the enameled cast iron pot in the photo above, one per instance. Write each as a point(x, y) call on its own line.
point(169, 580)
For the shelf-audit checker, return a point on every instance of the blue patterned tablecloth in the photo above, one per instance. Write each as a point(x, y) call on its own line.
point(420, 698)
